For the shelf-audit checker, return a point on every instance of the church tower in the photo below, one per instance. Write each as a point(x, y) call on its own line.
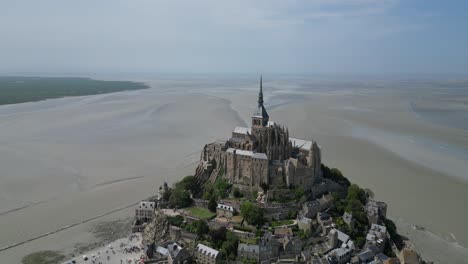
point(260, 116)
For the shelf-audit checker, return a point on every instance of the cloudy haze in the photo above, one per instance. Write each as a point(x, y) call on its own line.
point(315, 36)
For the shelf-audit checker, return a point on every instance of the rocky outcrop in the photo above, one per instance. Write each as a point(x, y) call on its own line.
point(157, 231)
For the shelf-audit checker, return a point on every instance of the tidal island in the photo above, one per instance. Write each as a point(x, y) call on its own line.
point(263, 196)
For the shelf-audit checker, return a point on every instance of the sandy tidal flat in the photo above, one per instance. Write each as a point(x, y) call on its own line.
point(70, 159)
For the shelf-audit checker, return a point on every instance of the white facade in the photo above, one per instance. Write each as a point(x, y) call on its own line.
point(206, 255)
point(145, 211)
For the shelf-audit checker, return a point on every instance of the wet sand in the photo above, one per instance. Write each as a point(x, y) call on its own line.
point(376, 140)
point(67, 160)
point(70, 159)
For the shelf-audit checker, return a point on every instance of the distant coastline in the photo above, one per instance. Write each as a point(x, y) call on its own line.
point(18, 89)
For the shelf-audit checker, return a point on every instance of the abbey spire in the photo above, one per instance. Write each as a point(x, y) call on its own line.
point(260, 94)
point(262, 154)
point(260, 116)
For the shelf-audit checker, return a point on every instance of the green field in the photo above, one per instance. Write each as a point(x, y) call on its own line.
point(15, 90)
point(200, 212)
point(282, 223)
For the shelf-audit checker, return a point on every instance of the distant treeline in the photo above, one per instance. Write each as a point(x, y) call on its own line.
point(15, 90)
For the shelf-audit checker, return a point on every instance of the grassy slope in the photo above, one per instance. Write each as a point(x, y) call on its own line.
point(200, 212)
point(30, 89)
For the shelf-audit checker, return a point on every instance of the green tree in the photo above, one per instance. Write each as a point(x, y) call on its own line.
point(335, 175)
point(265, 187)
point(222, 186)
point(340, 204)
point(180, 198)
point(304, 234)
point(237, 193)
point(298, 193)
point(392, 230)
point(167, 194)
point(355, 208)
point(249, 261)
point(175, 220)
point(188, 183)
point(202, 227)
point(356, 193)
point(360, 241)
point(198, 227)
point(252, 213)
point(218, 236)
point(212, 204)
point(229, 246)
point(208, 191)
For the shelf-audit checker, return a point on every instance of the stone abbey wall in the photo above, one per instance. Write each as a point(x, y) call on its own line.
point(263, 153)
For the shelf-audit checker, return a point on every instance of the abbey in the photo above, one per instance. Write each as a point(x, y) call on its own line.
point(261, 154)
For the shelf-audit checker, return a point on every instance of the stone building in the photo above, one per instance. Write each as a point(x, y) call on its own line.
point(248, 251)
point(409, 256)
point(145, 211)
point(348, 219)
point(340, 255)
point(177, 254)
point(324, 219)
point(261, 154)
point(304, 223)
point(223, 210)
point(310, 209)
point(175, 232)
point(376, 211)
point(206, 255)
point(333, 238)
point(283, 231)
point(325, 202)
point(268, 247)
point(377, 235)
point(336, 238)
point(291, 245)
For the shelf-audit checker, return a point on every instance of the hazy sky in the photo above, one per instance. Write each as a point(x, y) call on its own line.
point(314, 36)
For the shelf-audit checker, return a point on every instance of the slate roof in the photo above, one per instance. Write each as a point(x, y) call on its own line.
point(162, 250)
point(260, 111)
point(342, 236)
point(174, 249)
point(366, 256)
point(248, 248)
point(303, 219)
point(207, 251)
point(340, 252)
point(242, 130)
point(324, 216)
point(225, 207)
point(248, 153)
point(146, 205)
point(300, 143)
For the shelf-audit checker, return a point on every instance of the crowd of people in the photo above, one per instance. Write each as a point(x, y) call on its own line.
point(127, 250)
